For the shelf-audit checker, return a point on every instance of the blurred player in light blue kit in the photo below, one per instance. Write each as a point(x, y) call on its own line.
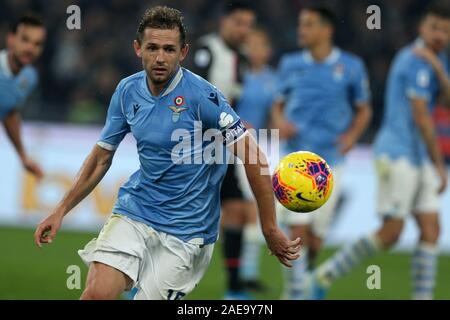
point(254, 108)
point(18, 78)
point(323, 106)
point(410, 167)
point(165, 222)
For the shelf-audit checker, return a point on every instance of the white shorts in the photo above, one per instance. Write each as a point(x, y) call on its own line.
point(320, 219)
point(161, 266)
point(404, 188)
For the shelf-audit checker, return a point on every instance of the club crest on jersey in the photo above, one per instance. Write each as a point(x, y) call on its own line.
point(338, 72)
point(176, 111)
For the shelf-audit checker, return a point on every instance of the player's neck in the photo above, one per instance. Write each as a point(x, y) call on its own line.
point(14, 65)
point(156, 89)
point(321, 51)
point(257, 67)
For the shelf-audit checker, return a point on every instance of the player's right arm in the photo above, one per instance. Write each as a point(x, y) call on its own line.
point(92, 171)
point(425, 124)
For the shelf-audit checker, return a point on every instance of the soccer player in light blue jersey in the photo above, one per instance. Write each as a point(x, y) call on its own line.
point(165, 222)
point(18, 78)
point(323, 106)
point(254, 107)
point(408, 158)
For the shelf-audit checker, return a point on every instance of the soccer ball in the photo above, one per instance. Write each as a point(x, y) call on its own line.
point(302, 181)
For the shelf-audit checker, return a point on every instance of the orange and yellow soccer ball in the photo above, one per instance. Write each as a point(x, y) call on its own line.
point(302, 181)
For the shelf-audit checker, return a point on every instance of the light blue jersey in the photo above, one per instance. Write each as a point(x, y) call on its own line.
point(181, 199)
point(319, 97)
point(256, 100)
point(14, 89)
point(409, 77)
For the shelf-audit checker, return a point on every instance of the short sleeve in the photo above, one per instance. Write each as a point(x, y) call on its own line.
point(116, 126)
point(419, 81)
point(15, 92)
point(360, 84)
point(216, 113)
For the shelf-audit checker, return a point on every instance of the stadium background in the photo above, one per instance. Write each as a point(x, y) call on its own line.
point(78, 73)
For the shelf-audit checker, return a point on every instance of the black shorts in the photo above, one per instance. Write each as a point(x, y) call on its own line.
point(230, 187)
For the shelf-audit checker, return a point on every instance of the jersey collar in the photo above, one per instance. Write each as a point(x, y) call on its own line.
point(170, 86)
point(173, 82)
point(4, 65)
point(332, 57)
point(419, 43)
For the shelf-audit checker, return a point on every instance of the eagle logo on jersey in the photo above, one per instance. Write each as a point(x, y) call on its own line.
point(176, 111)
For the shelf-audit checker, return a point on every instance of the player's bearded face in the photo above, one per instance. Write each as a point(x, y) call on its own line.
point(435, 31)
point(27, 43)
point(161, 53)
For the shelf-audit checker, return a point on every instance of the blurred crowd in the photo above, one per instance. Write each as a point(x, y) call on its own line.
point(80, 68)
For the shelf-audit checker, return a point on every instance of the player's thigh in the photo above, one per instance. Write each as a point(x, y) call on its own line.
point(105, 282)
point(397, 185)
point(120, 245)
point(322, 217)
point(173, 269)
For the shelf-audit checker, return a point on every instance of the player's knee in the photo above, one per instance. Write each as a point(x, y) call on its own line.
point(95, 293)
point(430, 232)
point(390, 233)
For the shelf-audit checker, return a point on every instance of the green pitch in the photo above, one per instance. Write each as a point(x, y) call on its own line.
point(27, 272)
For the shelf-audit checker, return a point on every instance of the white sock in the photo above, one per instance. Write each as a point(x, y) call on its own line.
point(251, 248)
point(346, 259)
point(295, 278)
point(423, 270)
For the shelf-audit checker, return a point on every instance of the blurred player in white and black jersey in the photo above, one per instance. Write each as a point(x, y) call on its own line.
point(18, 78)
point(218, 57)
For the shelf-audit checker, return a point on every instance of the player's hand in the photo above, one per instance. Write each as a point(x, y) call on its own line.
point(33, 168)
point(346, 142)
point(429, 56)
point(47, 229)
point(286, 129)
point(281, 247)
point(442, 172)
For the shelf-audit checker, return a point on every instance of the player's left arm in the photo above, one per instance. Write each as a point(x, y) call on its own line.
point(12, 123)
point(363, 113)
point(216, 113)
point(257, 170)
point(440, 71)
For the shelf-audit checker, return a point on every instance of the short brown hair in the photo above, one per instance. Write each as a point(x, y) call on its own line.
point(28, 19)
point(162, 18)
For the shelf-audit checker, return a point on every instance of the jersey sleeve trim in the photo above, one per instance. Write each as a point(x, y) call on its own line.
point(106, 146)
